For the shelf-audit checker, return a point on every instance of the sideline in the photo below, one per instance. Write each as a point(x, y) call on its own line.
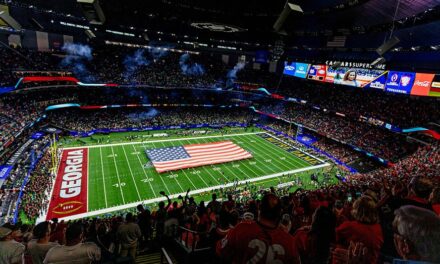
point(163, 140)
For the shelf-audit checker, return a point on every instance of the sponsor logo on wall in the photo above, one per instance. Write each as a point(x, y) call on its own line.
point(422, 84)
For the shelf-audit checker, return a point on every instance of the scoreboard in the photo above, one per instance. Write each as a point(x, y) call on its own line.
point(409, 83)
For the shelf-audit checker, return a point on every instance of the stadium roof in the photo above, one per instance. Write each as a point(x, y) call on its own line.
point(251, 20)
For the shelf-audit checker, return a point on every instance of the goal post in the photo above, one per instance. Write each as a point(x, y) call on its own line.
point(54, 154)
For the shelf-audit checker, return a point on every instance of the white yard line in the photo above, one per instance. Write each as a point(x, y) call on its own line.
point(262, 163)
point(164, 140)
point(178, 183)
point(143, 170)
point(186, 175)
point(308, 154)
point(88, 176)
point(117, 174)
point(103, 179)
point(173, 196)
point(131, 172)
point(281, 152)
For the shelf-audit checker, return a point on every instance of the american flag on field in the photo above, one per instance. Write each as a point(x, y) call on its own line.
point(195, 155)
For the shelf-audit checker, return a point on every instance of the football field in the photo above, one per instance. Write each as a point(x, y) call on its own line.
point(120, 176)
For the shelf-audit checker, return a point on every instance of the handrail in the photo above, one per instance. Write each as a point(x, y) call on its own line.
point(184, 238)
point(167, 257)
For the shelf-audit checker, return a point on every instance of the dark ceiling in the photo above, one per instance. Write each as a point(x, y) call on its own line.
point(257, 16)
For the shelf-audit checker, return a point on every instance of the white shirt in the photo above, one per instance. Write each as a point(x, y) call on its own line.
point(81, 253)
point(38, 251)
point(11, 252)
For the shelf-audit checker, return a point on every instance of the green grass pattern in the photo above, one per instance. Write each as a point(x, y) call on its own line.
point(117, 175)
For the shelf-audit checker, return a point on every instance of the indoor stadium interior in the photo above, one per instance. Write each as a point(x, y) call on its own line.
point(191, 131)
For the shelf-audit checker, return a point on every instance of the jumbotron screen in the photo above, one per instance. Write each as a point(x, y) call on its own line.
point(410, 83)
point(352, 76)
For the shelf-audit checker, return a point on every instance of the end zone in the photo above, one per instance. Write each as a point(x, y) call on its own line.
point(69, 194)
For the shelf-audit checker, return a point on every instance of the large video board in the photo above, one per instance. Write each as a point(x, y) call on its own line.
point(411, 83)
point(352, 76)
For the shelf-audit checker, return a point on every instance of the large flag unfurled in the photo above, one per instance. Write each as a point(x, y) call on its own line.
point(195, 155)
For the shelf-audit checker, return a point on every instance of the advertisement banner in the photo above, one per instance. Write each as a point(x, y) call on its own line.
point(12, 160)
point(289, 69)
point(306, 139)
point(422, 84)
point(296, 69)
point(400, 82)
point(301, 70)
point(4, 171)
point(352, 76)
point(435, 86)
point(378, 83)
point(69, 195)
point(317, 72)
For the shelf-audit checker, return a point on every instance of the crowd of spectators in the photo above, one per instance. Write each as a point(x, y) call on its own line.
point(370, 218)
point(15, 115)
point(378, 141)
point(87, 120)
point(322, 144)
point(343, 153)
point(19, 111)
point(17, 58)
point(111, 64)
point(160, 68)
point(10, 189)
point(401, 110)
point(35, 200)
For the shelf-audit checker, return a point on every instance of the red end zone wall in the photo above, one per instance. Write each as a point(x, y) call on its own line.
point(69, 195)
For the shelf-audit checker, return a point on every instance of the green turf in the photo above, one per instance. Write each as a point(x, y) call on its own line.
point(117, 175)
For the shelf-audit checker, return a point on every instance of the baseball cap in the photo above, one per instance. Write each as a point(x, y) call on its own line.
point(4, 232)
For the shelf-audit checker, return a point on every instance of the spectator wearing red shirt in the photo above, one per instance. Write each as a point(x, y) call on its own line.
point(364, 229)
point(214, 205)
point(339, 212)
point(262, 241)
point(222, 227)
point(313, 242)
point(230, 203)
